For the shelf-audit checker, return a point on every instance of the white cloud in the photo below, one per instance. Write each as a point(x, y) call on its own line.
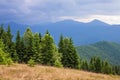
point(35, 11)
point(111, 19)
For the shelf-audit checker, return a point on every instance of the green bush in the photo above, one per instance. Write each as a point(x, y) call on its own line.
point(31, 63)
point(9, 61)
point(58, 64)
point(4, 58)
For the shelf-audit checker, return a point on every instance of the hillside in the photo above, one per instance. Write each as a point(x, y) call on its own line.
point(82, 33)
point(106, 50)
point(24, 72)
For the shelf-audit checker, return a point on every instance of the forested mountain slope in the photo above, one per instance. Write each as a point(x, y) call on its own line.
point(106, 50)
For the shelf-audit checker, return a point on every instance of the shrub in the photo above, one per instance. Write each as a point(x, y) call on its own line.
point(4, 58)
point(58, 64)
point(31, 63)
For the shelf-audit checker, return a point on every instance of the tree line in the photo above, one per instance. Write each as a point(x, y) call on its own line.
point(41, 49)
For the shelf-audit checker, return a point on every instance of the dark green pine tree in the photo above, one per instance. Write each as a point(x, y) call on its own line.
point(10, 46)
point(28, 44)
point(20, 50)
point(37, 48)
point(69, 55)
point(61, 44)
point(98, 65)
point(22, 55)
point(116, 70)
point(17, 45)
point(40, 36)
point(1, 31)
point(50, 55)
point(85, 65)
point(92, 64)
point(106, 67)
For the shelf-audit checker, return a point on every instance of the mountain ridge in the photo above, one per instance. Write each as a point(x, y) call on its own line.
point(81, 33)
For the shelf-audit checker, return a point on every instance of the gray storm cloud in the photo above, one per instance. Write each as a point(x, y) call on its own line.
point(35, 11)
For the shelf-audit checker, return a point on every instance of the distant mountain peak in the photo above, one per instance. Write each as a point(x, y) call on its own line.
point(69, 21)
point(11, 23)
point(97, 22)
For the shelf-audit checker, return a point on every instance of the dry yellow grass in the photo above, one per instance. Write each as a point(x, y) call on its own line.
point(24, 72)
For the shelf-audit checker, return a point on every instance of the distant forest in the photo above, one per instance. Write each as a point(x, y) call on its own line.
point(33, 48)
point(106, 50)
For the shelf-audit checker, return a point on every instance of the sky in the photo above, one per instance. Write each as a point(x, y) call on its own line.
point(42, 11)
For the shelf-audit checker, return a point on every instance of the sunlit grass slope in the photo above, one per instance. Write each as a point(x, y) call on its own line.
point(24, 72)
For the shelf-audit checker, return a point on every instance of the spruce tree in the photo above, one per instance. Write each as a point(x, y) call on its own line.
point(70, 57)
point(50, 55)
point(84, 65)
point(98, 65)
point(1, 31)
point(10, 45)
point(19, 46)
point(40, 36)
point(22, 55)
point(61, 44)
point(92, 64)
point(28, 43)
point(106, 67)
point(37, 48)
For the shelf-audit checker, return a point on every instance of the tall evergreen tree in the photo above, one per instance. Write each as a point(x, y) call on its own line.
point(50, 55)
point(84, 65)
point(37, 48)
point(92, 64)
point(61, 44)
point(19, 48)
point(40, 36)
point(22, 55)
point(28, 43)
point(10, 46)
point(116, 70)
point(69, 55)
point(96, 64)
point(1, 31)
point(106, 67)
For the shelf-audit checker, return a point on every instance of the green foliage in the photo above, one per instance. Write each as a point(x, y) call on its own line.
point(18, 46)
point(61, 44)
point(37, 48)
point(1, 31)
point(20, 50)
point(4, 57)
point(31, 63)
point(9, 61)
point(106, 68)
point(69, 55)
point(84, 65)
point(105, 50)
point(116, 70)
point(50, 55)
point(95, 64)
point(28, 44)
point(34, 49)
point(58, 64)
